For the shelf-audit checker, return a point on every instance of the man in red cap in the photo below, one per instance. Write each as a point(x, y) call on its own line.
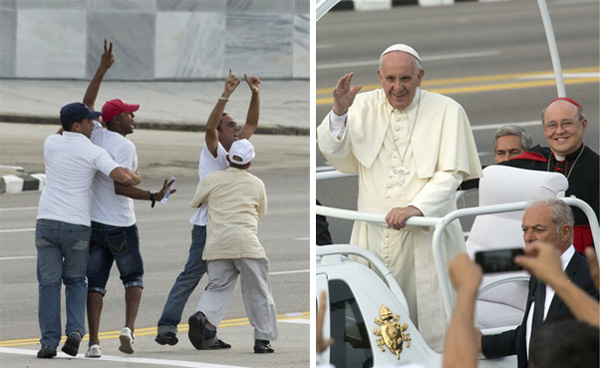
point(564, 125)
point(114, 232)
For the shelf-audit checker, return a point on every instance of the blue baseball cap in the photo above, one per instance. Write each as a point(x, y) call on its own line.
point(76, 112)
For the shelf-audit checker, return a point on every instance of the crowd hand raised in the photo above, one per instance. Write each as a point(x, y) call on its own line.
point(590, 254)
point(397, 216)
point(108, 58)
point(321, 342)
point(230, 84)
point(253, 83)
point(464, 274)
point(343, 95)
point(163, 191)
point(542, 260)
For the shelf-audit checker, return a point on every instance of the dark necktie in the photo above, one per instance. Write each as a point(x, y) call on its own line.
point(538, 308)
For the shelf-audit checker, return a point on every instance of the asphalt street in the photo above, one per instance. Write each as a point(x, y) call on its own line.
point(282, 162)
point(491, 57)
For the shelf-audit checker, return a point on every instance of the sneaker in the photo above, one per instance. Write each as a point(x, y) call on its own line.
point(196, 322)
point(47, 352)
point(126, 338)
point(71, 346)
point(94, 351)
point(166, 338)
point(262, 346)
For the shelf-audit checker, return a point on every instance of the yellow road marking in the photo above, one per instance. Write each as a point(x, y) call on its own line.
point(152, 330)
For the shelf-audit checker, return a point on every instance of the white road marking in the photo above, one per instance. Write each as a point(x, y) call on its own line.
point(16, 230)
point(303, 238)
point(565, 76)
point(496, 126)
point(425, 58)
point(110, 358)
point(302, 321)
point(18, 209)
point(286, 272)
point(14, 258)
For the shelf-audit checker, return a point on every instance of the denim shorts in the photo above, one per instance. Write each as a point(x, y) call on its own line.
point(119, 244)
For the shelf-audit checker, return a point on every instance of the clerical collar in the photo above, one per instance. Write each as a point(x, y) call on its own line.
point(570, 157)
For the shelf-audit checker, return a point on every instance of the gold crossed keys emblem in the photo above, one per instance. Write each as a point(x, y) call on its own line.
point(392, 333)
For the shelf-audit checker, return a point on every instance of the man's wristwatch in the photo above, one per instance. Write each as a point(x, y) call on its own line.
point(152, 195)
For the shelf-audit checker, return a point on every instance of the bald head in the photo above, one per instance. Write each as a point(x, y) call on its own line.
point(564, 126)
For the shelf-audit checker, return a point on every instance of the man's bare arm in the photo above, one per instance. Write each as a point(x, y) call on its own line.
point(211, 137)
point(141, 194)
point(106, 61)
point(125, 176)
point(253, 109)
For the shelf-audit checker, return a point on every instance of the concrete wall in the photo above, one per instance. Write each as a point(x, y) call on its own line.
point(155, 39)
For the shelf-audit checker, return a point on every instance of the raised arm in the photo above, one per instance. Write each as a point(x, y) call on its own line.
point(542, 260)
point(253, 109)
point(106, 61)
point(343, 96)
point(125, 176)
point(460, 348)
point(211, 137)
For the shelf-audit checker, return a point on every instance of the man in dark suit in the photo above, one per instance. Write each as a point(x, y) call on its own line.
point(550, 221)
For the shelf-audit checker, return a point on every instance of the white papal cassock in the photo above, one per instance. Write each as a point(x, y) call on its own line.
point(397, 169)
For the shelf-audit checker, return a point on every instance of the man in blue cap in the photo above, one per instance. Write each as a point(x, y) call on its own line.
point(62, 232)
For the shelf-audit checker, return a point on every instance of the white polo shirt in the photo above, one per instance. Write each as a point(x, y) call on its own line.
point(207, 164)
point(72, 161)
point(108, 207)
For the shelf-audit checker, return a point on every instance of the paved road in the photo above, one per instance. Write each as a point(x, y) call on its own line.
point(283, 164)
point(493, 58)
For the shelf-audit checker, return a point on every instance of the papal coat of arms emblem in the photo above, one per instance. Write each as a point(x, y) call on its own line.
point(392, 333)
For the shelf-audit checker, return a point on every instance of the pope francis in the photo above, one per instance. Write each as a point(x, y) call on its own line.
point(411, 149)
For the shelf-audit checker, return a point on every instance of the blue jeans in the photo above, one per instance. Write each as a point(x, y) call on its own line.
point(62, 250)
point(118, 244)
point(185, 284)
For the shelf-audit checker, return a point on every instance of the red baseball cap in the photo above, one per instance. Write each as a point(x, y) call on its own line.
point(115, 107)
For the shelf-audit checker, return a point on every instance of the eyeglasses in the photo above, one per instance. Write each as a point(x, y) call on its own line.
point(552, 126)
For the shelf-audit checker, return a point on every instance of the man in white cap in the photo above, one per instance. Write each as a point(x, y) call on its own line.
point(411, 149)
point(221, 131)
point(234, 199)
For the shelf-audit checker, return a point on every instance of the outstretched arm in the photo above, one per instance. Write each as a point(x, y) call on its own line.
point(106, 61)
point(211, 137)
point(137, 193)
point(253, 110)
point(542, 260)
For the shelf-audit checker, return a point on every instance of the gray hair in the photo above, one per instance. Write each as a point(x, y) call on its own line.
point(416, 61)
point(561, 212)
point(514, 130)
point(579, 112)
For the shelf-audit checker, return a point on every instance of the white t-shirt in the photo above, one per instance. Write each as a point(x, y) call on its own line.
point(207, 164)
point(72, 161)
point(108, 207)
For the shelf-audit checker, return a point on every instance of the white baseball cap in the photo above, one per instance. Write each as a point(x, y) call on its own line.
point(242, 149)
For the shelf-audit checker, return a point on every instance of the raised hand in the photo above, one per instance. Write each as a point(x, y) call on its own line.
point(343, 96)
point(253, 83)
point(108, 58)
point(230, 84)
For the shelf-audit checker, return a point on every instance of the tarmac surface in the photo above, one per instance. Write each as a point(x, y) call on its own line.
point(163, 105)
